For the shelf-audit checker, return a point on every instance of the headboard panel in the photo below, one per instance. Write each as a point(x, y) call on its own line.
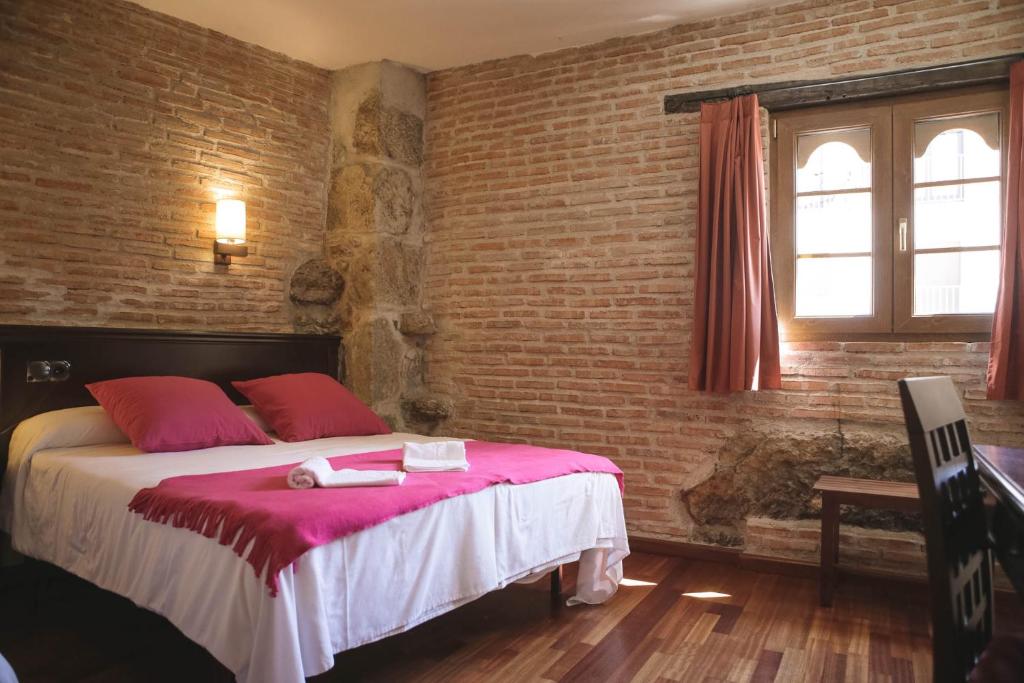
point(100, 353)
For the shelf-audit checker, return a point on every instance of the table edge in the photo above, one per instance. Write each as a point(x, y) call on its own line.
point(997, 483)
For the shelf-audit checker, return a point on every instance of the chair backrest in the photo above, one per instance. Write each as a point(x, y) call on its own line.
point(959, 562)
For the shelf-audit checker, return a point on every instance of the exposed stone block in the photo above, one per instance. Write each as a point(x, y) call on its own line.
point(351, 201)
point(317, 320)
point(427, 409)
point(771, 474)
point(402, 134)
point(400, 272)
point(315, 282)
point(388, 132)
point(370, 199)
point(394, 199)
point(360, 268)
point(415, 323)
point(374, 354)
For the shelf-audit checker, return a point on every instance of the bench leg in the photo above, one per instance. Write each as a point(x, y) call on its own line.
point(556, 586)
point(829, 548)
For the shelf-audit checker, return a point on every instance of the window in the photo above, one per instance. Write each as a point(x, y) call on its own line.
point(886, 217)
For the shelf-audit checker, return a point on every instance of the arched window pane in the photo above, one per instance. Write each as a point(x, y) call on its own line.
point(956, 149)
point(834, 160)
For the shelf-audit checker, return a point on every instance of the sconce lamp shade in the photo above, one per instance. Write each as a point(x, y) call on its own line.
point(230, 221)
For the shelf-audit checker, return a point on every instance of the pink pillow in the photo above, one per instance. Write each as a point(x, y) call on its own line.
point(310, 405)
point(163, 414)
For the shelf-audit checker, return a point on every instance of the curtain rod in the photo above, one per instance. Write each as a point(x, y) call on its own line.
point(792, 94)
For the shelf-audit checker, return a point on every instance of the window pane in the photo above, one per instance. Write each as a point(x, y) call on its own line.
point(957, 215)
point(833, 223)
point(957, 282)
point(834, 286)
point(833, 160)
point(957, 148)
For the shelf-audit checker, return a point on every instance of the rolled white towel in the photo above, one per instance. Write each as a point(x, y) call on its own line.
point(434, 456)
point(318, 472)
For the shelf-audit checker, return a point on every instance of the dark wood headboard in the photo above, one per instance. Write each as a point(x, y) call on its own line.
point(102, 353)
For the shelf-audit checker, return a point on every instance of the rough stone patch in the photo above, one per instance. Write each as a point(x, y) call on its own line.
point(315, 282)
point(318, 320)
point(393, 200)
point(351, 199)
point(427, 409)
point(388, 132)
point(371, 198)
point(374, 359)
point(770, 474)
point(400, 276)
point(416, 323)
point(366, 131)
point(402, 134)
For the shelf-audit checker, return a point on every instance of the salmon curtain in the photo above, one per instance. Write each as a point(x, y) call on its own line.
point(1006, 360)
point(735, 326)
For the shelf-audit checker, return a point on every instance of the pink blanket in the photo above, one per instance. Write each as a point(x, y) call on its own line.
point(282, 523)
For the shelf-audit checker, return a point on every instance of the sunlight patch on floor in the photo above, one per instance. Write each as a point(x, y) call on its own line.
point(706, 595)
point(636, 582)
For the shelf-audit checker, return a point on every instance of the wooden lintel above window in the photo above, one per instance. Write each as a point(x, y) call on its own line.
point(794, 94)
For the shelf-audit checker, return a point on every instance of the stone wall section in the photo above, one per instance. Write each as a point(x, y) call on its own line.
point(375, 237)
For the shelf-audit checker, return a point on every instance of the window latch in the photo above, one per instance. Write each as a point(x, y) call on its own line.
point(903, 234)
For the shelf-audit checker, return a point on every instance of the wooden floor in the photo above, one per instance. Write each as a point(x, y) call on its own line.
point(759, 627)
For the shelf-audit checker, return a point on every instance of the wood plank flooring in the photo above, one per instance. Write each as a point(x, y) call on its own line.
point(736, 625)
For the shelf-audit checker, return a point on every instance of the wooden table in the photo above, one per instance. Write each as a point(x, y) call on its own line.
point(1001, 471)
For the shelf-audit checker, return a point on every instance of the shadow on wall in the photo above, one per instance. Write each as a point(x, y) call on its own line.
point(771, 474)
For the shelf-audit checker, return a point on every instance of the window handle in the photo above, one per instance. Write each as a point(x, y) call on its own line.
point(903, 234)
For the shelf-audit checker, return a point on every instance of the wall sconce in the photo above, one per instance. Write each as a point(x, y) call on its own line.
point(230, 231)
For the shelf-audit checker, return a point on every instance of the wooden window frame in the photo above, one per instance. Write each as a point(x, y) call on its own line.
point(903, 120)
point(783, 228)
point(891, 121)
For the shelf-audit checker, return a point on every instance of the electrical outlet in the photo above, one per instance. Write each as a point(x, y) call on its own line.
point(47, 371)
point(60, 370)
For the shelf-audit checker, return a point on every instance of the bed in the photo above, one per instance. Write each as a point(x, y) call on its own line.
point(67, 503)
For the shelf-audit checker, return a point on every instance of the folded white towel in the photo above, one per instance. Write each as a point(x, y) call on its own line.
point(318, 472)
point(434, 456)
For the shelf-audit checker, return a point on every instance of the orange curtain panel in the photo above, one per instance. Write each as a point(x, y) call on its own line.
point(735, 328)
point(1006, 361)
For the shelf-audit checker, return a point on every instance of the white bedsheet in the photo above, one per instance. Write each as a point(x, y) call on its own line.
point(70, 509)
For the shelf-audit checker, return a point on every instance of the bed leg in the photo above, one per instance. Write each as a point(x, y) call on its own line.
point(556, 586)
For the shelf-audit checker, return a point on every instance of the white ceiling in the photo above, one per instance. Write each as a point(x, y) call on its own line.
point(435, 34)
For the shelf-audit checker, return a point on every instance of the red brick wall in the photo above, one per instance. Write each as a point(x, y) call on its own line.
point(561, 204)
point(117, 126)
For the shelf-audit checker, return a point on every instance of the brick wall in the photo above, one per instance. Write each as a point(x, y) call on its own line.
point(117, 127)
point(561, 207)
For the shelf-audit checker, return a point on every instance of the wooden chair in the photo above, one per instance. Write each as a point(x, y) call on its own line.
point(956, 533)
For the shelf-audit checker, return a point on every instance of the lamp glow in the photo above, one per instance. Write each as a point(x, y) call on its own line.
point(230, 231)
point(230, 221)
